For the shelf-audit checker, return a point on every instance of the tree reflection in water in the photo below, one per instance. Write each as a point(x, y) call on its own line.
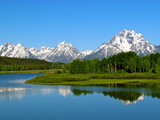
point(127, 96)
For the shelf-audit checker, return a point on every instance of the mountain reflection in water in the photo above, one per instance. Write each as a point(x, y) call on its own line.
point(126, 96)
point(13, 87)
point(11, 93)
point(21, 101)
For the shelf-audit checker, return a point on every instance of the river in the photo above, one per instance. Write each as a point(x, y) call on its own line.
point(19, 101)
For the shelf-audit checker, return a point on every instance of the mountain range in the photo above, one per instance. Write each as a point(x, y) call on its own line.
point(126, 40)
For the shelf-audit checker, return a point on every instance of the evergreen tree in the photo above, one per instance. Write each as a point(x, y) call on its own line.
point(132, 66)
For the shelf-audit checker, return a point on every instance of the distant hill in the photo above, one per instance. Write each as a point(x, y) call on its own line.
point(18, 64)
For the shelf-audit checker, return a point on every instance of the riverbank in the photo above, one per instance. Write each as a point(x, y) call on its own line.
point(27, 72)
point(115, 80)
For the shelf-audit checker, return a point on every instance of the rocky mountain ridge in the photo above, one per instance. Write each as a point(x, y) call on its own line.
point(126, 40)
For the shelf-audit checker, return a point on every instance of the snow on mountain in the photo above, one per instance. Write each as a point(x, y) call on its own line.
point(87, 52)
point(17, 51)
point(41, 52)
point(126, 40)
point(64, 52)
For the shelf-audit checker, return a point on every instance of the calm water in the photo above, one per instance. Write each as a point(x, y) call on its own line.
point(19, 101)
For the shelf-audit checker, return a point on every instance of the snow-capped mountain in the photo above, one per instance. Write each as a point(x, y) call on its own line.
point(126, 40)
point(18, 51)
point(87, 52)
point(64, 52)
point(41, 52)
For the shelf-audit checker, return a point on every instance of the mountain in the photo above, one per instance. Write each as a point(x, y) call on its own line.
point(64, 52)
point(17, 51)
point(41, 52)
point(87, 52)
point(126, 40)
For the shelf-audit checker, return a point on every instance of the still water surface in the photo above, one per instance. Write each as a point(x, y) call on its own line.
point(19, 101)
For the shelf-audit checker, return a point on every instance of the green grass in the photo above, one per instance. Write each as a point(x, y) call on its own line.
point(125, 76)
point(58, 78)
point(27, 71)
point(113, 80)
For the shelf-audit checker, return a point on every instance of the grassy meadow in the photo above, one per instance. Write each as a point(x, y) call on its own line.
point(150, 80)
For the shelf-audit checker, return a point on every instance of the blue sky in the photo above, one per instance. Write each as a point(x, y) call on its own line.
point(84, 23)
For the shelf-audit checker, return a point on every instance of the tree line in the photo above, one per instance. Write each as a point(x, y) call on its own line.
point(20, 64)
point(122, 62)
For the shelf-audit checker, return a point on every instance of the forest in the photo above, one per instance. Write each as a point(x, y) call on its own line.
point(128, 62)
point(21, 64)
point(125, 69)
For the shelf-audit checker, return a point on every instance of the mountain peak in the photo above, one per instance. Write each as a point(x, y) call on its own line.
point(125, 41)
point(129, 33)
point(7, 44)
point(127, 37)
point(64, 52)
point(19, 45)
point(125, 32)
point(64, 44)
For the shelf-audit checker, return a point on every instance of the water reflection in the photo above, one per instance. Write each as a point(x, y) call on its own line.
point(64, 91)
point(140, 98)
point(9, 93)
point(61, 90)
point(13, 87)
point(124, 95)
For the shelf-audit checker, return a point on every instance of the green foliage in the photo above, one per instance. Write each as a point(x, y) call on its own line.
point(124, 76)
point(77, 66)
point(146, 65)
point(19, 64)
point(157, 68)
point(132, 66)
point(122, 62)
point(104, 66)
point(56, 78)
point(139, 63)
point(27, 71)
point(58, 72)
point(158, 61)
point(149, 80)
point(57, 65)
